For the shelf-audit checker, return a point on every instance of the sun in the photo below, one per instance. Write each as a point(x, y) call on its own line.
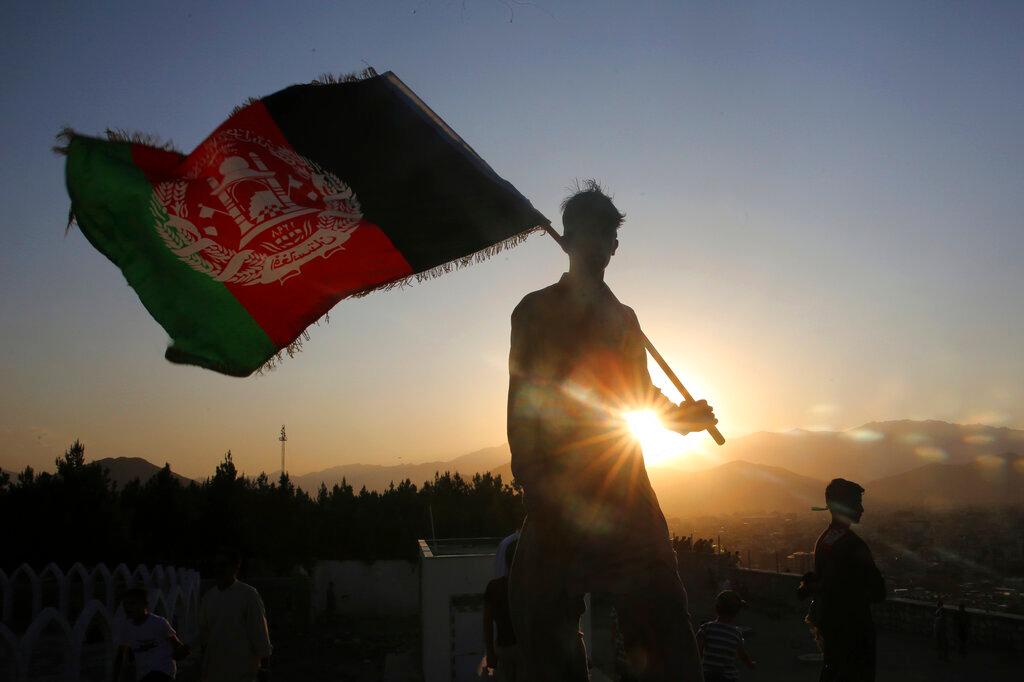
point(661, 447)
point(644, 425)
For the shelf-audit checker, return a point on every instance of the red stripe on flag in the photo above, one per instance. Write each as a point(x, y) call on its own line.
point(285, 237)
point(283, 309)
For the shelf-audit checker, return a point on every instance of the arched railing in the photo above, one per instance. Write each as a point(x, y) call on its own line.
point(59, 625)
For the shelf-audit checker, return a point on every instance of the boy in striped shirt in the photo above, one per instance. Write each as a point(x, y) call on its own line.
point(720, 642)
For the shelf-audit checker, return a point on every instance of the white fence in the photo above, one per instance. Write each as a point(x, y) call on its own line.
point(59, 625)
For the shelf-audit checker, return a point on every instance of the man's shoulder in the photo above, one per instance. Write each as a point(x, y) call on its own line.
point(246, 588)
point(629, 312)
point(853, 542)
point(552, 298)
point(237, 587)
point(537, 301)
point(831, 536)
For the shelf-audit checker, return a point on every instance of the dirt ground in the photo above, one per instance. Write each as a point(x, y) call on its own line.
point(387, 650)
point(344, 650)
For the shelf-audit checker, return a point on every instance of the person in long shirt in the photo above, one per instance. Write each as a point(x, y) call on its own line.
point(577, 365)
point(233, 635)
point(845, 583)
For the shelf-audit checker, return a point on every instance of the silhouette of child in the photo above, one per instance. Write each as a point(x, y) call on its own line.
point(720, 642)
point(149, 639)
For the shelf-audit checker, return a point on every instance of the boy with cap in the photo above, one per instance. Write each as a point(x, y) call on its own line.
point(721, 643)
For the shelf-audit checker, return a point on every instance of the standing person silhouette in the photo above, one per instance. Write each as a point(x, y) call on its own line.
point(577, 364)
point(845, 583)
point(233, 635)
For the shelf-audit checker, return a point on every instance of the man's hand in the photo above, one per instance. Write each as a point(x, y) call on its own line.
point(691, 417)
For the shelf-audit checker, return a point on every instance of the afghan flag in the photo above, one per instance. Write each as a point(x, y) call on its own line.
point(298, 200)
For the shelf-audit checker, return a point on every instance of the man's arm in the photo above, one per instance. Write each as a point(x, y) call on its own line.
point(874, 583)
point(256, 626)
point(683, 418)
point(525, 399)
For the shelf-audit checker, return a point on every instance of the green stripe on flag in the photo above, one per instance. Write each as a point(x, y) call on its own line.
point(110, 197)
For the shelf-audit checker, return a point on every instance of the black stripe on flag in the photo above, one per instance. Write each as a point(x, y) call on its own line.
point(434, 197)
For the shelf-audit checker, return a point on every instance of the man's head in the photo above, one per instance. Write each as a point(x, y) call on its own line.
point(591, 224)
point(845, 500)
point(226, 563)
point(136, 603)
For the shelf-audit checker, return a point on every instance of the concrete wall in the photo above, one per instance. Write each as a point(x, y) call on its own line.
point(380, 588)
point(442, 579)
point(988, 629)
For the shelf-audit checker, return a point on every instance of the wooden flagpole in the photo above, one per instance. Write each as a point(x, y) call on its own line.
point(712, 431)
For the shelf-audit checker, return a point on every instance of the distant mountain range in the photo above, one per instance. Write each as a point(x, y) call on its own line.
point(873, 451)
point(990, 480)
point(377, 477)
point(749, 488)
point(124, 470)
point(901, 463)
point(735, 487)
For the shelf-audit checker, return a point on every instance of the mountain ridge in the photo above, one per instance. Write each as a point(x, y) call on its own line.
point(874, 450)
point(933, 462)
point(124, 470)
point(379, 476)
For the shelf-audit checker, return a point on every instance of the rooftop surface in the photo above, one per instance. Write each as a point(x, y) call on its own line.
point(777, 643)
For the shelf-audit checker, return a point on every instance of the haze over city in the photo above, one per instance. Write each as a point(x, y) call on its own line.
point(823, 218)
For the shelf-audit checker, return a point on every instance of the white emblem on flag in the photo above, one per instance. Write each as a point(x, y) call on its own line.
point(253, 212)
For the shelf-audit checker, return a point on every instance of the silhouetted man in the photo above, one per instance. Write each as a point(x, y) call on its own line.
point(845, 583)
point(577, 363)
point(232, 626)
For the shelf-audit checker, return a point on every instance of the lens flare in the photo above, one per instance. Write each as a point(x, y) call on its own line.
point(863, 435)
point(661, 447)
point(931, 453)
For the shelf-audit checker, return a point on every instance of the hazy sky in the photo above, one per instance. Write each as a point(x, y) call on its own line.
point(825, 206)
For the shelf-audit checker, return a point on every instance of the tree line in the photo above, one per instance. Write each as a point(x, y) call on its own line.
point(78, 514)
